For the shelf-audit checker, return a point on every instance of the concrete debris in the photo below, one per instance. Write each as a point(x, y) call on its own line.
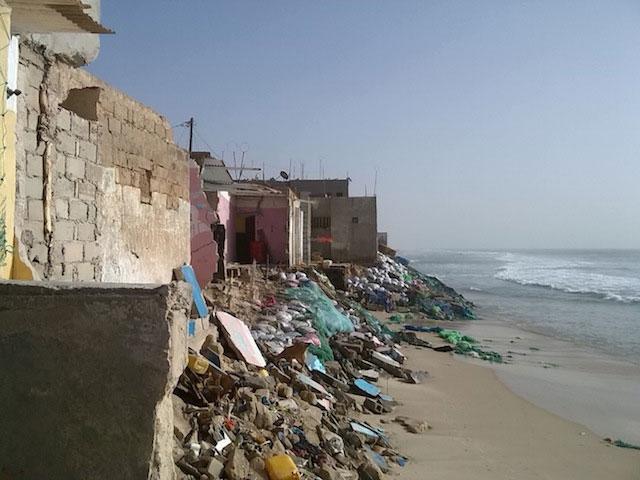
point(412, 425)
point(281, 393)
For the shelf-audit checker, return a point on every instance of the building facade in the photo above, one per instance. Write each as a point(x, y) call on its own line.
point(345, 229)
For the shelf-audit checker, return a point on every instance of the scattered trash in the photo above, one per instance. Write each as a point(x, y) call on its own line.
point(621, 444)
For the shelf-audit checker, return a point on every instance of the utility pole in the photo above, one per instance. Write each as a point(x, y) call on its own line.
point(190, 136)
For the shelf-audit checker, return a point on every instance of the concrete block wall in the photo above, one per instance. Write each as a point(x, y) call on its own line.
point(119, 208)
point(352, 236)
point(87, 375)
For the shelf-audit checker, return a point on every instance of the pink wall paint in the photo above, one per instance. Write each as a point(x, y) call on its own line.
point(204, 256)
point(273, 220)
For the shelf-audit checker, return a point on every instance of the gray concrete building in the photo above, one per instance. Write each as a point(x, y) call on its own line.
point(316, 188)
point(345, 229)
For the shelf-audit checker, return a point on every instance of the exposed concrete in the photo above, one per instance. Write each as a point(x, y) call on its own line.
point(87, 374)
point(103, 200)
point(345, 229)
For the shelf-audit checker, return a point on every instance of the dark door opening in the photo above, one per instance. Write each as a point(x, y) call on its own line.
point(244, 236)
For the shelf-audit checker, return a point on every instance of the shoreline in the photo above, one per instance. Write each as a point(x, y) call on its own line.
point(483, 429)
point(578, 383)
point(484, 314)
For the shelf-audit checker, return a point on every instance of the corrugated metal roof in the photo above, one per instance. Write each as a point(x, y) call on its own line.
point(214, 171)
point(244, 189)
point(52, 16)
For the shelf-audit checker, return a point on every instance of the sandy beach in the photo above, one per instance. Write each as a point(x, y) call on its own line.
point(482, 429)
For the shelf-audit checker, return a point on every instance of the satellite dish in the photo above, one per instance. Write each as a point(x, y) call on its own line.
point(284, 175)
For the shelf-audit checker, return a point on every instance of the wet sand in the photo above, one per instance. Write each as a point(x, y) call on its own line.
point(483, 430)
point(580, 384)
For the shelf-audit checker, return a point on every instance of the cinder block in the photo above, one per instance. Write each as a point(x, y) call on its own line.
point(92, 252)
point(63, 120)
point(35, 210)
point(29, 140)
point(56, 252)
point(114, 125)
point(79, 126)
point(66, 143)
point(33, 187)
point(64, 188)
point(78, 210)
point(64, 230)
point(85, 272)
point(32, 233)
point(86, 191)
point(94, 173)
point(34, 165)
point(32, 120)
point(62, 208)
point(62, 272)
point(86, 232)
point(75, 168)
point(72, 252)
point(88, 150)
point(92, 213)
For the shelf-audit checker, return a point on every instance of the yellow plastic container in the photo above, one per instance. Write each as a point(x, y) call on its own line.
point(198, 364)
point(281, 467)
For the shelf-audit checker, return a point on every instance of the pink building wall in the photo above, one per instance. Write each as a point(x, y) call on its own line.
point(204, 254)
point(274, 222)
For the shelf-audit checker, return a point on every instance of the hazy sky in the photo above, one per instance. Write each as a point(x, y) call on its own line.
point(491, 123)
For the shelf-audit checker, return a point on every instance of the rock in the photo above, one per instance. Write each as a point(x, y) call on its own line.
point(237, 466)
point(369, 471)
point(328, 473)
point(284, 391)
point(214, 469)
point(412, 425)
point(309, 397)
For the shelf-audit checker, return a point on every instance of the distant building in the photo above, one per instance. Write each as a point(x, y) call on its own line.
point(345, 229)
point(383, 238)
point(328, 188)
point(258, 222)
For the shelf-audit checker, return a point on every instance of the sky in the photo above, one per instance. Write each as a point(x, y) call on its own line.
point(494, 124)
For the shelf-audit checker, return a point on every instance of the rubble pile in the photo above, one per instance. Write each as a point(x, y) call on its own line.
point(281, 394)
point(392, 284)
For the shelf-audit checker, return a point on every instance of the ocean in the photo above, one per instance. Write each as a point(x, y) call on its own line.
point(588, 297)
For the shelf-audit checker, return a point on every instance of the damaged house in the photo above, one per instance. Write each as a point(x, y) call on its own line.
point(343, 228)
point(102, 192)
point(92, 189)
point(255, 221)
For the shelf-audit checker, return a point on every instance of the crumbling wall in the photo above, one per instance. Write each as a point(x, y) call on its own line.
point(87, 375)
point(102, 191)
point(204, 249)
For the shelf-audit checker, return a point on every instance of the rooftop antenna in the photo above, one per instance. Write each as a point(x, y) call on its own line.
point(302, 169)
point(235, 165)
point(289, 172)
point(263, 171)
point(241, 165)
point(375, 183)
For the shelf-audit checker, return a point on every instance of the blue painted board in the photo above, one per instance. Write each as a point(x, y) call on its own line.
point(190, 276)
point(367, 388)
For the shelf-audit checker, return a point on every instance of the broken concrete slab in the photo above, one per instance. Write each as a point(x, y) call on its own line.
point(67, 353)
point(240, 340)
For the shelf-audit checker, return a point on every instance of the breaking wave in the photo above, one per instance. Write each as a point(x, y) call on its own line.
point(568, 275)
